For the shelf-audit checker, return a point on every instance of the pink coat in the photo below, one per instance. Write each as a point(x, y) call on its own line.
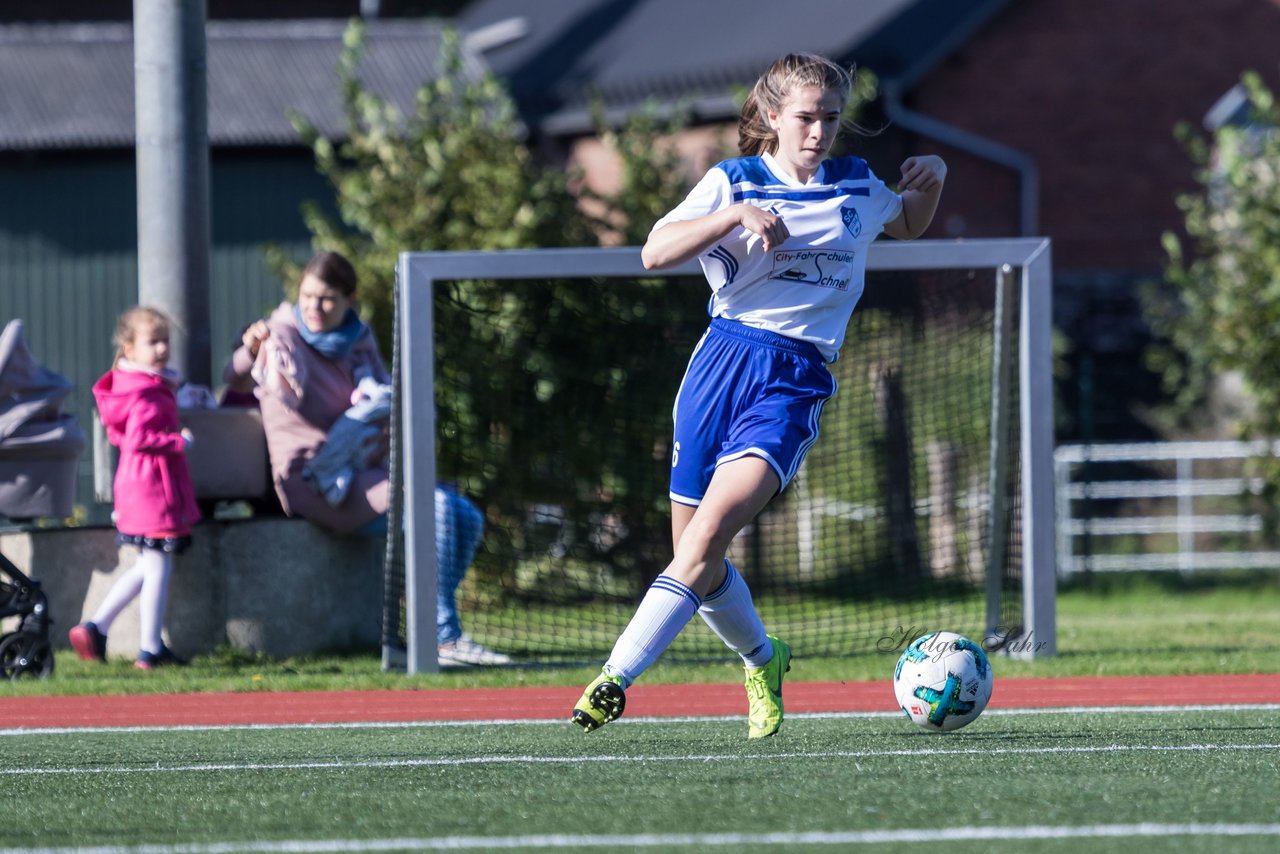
point(153, 489)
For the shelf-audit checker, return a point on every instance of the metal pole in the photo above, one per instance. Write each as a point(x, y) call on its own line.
point(1002, 359)
point(172, 149)
point(418, 429)
point(1036, 398)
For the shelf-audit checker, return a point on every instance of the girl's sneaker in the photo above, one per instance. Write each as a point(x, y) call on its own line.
point(89, 643)
point(164, 658)
point(465, 651)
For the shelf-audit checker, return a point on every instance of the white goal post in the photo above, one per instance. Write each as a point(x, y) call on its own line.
point(1022, 263)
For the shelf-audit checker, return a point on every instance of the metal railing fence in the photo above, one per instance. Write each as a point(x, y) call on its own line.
point(1162, 506)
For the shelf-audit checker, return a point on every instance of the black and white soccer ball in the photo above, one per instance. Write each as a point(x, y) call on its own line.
point(942, 681)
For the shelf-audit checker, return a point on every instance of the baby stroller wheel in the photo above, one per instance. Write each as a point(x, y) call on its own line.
point(25, 654)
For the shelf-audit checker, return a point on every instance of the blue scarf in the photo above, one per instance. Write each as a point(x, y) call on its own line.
point(335, 344)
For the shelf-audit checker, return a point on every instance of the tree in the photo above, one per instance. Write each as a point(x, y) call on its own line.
point(550, 394)
point(454, 175)
point(1220, 313)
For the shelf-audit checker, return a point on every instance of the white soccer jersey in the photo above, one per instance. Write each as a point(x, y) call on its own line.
point(807, 287)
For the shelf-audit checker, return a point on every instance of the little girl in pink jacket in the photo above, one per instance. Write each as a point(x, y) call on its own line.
point(155, 503)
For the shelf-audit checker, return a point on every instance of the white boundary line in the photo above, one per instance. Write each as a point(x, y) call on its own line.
point(694, 840)
point(1056, 710)
point(667, 840)
point(457, 762)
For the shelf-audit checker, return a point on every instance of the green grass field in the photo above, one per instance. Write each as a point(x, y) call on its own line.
point(1105, 781)
point(1082, 781)
point(1125, 625)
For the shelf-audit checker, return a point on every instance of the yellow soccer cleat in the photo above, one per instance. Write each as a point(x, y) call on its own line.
point(602, 701)
point(764, 691)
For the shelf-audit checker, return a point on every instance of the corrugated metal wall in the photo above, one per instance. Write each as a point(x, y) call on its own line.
point(68, 259)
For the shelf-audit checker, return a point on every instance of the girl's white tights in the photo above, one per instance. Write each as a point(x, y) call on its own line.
point(147, 579)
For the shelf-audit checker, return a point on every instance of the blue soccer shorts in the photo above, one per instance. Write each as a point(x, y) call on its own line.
point(746, 392)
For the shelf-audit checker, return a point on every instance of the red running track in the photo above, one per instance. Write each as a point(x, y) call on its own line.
point(555, 703)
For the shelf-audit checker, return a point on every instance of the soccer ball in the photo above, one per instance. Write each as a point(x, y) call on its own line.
point(943, 681)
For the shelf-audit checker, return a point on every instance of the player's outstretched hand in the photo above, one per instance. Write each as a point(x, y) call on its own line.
point(923, 174)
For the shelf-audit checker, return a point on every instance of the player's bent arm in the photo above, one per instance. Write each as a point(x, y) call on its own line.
point(677, 242)
point(922, 180)
point(917, 213)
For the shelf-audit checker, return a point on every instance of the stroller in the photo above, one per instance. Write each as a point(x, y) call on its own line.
point(27, 650)
point(39, 454)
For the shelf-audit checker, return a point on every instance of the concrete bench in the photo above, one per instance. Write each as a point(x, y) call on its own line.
point(268, 584)
point(277, 586)
point(228, 459)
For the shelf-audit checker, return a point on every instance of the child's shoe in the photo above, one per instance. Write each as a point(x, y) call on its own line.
point(89, 643)
point(164, 658)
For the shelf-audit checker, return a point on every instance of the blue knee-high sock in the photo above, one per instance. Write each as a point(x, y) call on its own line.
point(665, 609)
point(732, 615)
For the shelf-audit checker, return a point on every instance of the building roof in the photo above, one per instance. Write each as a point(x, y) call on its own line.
point(71, 85)
point(627, 52)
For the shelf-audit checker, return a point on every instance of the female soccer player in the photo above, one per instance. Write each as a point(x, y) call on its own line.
point(782, 234)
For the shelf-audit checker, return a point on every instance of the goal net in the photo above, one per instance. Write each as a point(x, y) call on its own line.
point(539, 384)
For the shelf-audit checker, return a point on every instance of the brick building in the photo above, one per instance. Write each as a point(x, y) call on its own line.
point(1056, 118)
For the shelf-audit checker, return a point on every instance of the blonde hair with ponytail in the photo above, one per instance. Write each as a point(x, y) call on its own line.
point(771, 92)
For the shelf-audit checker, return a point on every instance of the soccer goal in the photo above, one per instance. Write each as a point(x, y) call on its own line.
point(540, 384)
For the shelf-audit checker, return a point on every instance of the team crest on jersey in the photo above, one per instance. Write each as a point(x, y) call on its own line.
point(851, 220)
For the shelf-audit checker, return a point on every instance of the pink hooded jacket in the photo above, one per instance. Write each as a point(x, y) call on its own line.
point(153, 491)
